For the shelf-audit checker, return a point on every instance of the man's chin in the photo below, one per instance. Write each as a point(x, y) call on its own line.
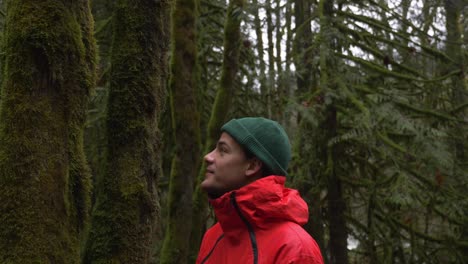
point(213, 194)
point(211, 191)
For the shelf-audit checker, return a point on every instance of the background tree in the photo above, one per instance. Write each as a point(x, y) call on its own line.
point(47, 77)
point(125, 215)
point(219, 112)
point(306, 163)
point(185, 132)
point(95, 135)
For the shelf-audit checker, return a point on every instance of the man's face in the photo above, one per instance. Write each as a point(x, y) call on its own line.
point(226, 166)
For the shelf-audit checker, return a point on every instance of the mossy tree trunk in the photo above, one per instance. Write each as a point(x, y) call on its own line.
point(44, 179)
point(125, 216)
point(219, 114)
point(185, 132)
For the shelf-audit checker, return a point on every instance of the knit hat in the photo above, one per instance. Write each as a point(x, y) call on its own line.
point(265, 138)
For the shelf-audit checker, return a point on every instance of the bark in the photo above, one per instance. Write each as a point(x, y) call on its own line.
point(44, 179)
point(186, 132)
point(125, 216)
point(219, 114)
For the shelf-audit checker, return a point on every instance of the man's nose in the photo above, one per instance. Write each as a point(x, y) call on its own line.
point(209, 157)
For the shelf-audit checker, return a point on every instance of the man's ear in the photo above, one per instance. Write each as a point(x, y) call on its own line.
point(254, 167)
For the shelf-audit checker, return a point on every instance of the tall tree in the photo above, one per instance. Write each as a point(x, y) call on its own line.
point(454, 49)
point(44, 179)
point(219, 113)
point(329, 128)
point(271, 85)
point(186, 132)
point(126, 212)
point(307, 164)
point(262, 76)
point(459, 91)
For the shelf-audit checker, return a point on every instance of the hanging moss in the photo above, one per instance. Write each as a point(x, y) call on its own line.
point(125, 215)
point(44, 181)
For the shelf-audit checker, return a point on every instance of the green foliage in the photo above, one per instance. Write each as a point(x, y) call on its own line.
point(395, 136)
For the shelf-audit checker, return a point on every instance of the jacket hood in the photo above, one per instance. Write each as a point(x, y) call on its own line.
point(261, 203)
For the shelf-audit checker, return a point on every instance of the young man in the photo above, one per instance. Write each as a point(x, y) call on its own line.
point(259, 220)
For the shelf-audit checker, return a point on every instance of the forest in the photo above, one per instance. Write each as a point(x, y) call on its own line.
point(107, 108)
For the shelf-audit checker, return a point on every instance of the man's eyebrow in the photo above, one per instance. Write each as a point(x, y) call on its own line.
point(222, 143)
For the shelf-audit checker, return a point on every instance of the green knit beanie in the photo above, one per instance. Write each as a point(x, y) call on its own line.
point(265, 138)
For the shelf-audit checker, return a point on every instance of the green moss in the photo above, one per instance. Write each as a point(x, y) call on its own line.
point(41, 158)
point(126, 211)
point(186, 132)
point(220, 108)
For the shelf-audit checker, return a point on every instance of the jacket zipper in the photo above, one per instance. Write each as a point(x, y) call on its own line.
point(212, 249)
point(253, 239)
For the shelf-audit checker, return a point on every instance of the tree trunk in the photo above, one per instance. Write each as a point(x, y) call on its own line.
point(302, 52)
point(261, 61)
point(126, 212)
point(336, 203)
point(280, 94)
point(44, 179)
point(271, 87)
point(186, 133)
point(454, 49)
point(219, 113)
point(307, 145)
point(455, 52)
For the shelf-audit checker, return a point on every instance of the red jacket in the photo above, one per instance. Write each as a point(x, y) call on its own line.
point(260, 223)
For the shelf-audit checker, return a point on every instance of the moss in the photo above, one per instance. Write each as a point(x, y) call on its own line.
point(126, 211)
point(219, 112)
point(47, 77)
point(186, 132)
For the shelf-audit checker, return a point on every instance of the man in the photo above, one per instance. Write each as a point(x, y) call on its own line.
point(259, 220)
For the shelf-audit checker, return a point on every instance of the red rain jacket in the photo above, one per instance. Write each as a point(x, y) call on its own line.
point(260, 223)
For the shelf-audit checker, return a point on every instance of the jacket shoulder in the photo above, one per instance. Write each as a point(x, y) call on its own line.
point(295, 245)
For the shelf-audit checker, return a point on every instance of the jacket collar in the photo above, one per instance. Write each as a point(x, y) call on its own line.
point(261, 204)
